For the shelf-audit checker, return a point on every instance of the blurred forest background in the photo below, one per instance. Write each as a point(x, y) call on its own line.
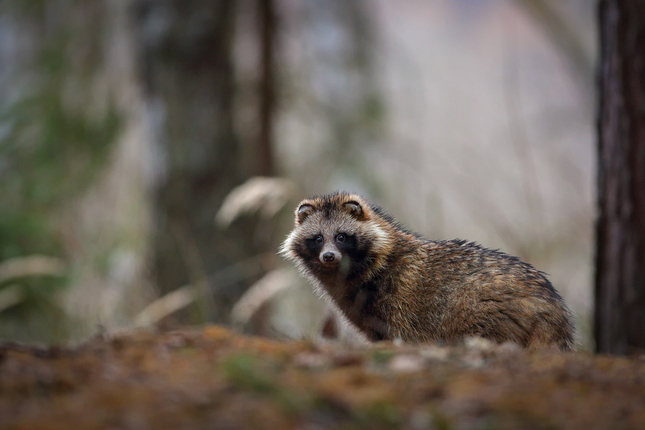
point(152, 151)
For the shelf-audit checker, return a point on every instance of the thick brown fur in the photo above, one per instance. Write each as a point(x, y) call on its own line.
point(393, 284)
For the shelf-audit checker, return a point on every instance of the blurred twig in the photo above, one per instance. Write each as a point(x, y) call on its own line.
point(166, 305)
point(20, 267)
point(243, 269)
point(195, 268)
point(259, 194)
point(33, 265)
point(184, 296)
point(261, 292)
point(11, 295)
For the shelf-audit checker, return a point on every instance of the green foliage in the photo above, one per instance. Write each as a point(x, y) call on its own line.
point(381, 414)
point(35, 317)
point(248, 373)
point(23, 233)
point(49, 152)
point(382, 356)
point(245, 372)
point(51, 147)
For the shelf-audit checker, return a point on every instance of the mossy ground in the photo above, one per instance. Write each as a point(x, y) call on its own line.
point(213, 378)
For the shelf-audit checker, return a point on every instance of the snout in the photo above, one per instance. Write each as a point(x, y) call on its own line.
point(330, 258)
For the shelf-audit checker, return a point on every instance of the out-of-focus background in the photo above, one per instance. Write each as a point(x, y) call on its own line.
point(152, 151)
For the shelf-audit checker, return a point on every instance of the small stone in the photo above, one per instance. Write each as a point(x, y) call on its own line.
point(435, 353)
point(407, 363)
point(310, 360)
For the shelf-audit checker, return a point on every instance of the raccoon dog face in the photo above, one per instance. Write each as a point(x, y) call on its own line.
point(336, 237)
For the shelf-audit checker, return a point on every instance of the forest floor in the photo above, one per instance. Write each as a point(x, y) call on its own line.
point(213, 378)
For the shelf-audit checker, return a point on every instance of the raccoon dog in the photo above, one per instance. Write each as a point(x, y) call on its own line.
point(393, 284)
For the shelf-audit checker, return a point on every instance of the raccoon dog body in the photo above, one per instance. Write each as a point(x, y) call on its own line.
point(391, 283)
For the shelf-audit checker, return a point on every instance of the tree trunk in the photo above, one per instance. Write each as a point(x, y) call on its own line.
point(267, 23)
point(190, 85)
point(620, 258)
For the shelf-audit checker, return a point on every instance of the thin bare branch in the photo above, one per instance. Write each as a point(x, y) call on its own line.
point(166, 305)
point(32, 265)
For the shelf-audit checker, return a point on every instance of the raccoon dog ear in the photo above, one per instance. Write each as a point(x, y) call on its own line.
point(303, 211)
point(354, 209)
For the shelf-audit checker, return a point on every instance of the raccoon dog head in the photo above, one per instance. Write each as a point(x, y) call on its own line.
point(338, 236)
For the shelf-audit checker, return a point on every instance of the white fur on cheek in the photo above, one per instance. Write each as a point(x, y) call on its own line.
point(286, 249)
point(382, 239)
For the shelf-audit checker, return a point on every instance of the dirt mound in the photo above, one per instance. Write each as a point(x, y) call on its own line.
point(212, 378)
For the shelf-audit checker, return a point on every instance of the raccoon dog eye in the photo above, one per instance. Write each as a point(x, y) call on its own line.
point(319, 239)
point(341, 238)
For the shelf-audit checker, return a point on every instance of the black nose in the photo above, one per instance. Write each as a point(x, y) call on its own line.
point(328, 257)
